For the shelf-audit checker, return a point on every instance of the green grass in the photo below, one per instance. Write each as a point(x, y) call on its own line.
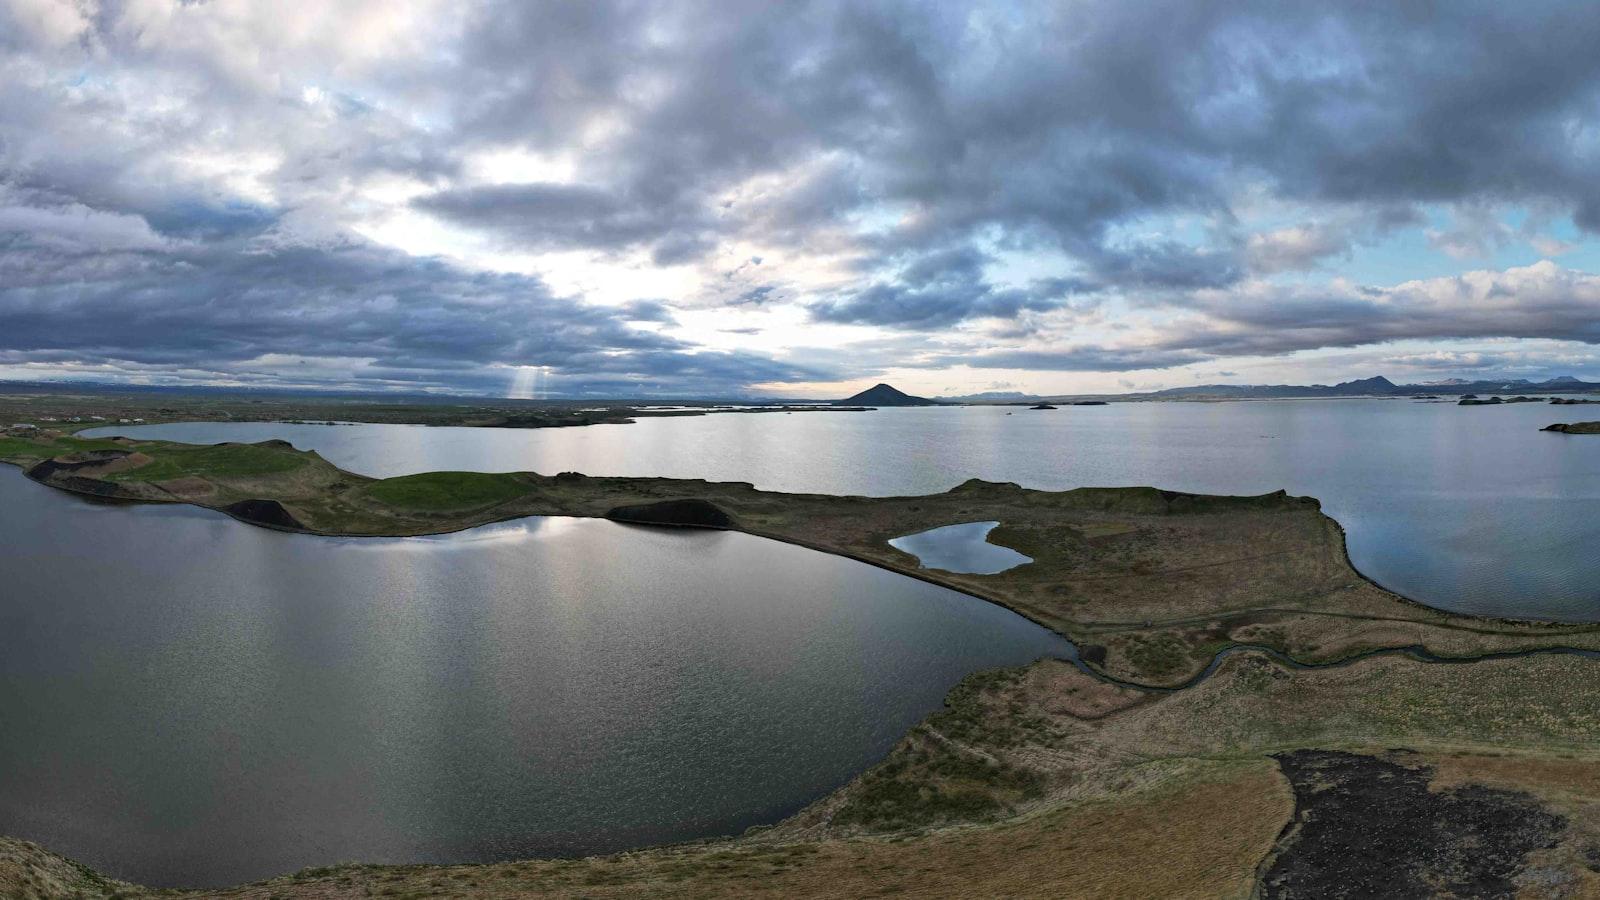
point(447, 490)
point(227, 460)
point(70, 444)
point(15, 448)
point(23, 448)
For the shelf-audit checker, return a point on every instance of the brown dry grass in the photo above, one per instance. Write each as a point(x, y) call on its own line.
point(1197, 835)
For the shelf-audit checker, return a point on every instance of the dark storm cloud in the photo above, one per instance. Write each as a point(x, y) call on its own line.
point(562, 217)
point(410, 319)
point(1541, 301)
point(938, 290)
point(1537, 302)
point(647, 311)
point(193, 219)
point(1081, 359)
point(1044, 125)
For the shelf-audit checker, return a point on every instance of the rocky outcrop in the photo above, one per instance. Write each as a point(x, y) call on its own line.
point(1470, 400)
point(1574, 428)
point(1368, 826)
point(73, 473)
point(267, 513)
point(686, 513)
point(77, 462)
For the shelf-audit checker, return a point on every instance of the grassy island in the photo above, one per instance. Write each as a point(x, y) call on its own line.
point(1133, 776)
point(1574, 427)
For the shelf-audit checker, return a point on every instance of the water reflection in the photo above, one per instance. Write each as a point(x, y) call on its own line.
point(187, 700)
point(960, 548)
point(1470, 509)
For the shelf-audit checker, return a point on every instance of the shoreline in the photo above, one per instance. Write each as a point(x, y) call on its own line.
point(885, 557)
point(1164, 517)
point(930, 576)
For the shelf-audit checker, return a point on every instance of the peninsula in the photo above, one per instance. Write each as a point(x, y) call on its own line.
point(1231, 660)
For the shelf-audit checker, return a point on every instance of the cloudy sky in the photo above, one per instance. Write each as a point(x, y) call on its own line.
point(726, 198)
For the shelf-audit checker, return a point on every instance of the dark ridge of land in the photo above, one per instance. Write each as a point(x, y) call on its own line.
point(687, 513)
point(59, 408)
point(1045, 780)
point(1574, 428)
point(1495, 401)
point(266, 513)
point(1375, 386)
point(1158, 581)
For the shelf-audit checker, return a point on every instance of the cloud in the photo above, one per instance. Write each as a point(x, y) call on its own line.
point(938, 290)
point(756, 296)
point(972, 127)
point(187, 185)
point(647, 311)
point(559, 216)
point(1295, 248)
point(1450, 361)
point(1542, 300)
point(76, 228)
point(1475, 233)
point(1071, 359)
point(418, 321)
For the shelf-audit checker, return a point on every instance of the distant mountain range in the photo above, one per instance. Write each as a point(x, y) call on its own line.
point(990, 397)
point(877, 395)
point(1377, 386)
point(884, 395)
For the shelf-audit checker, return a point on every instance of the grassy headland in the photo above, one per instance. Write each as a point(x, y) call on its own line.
point(1046, 779)
point(1151, 584)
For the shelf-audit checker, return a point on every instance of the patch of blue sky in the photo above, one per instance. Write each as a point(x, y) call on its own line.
point(1190, 230)
point(1410, 254)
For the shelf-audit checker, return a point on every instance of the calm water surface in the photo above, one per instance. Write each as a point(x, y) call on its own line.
point(960, 548)
point(187, 700)
point(1471, 509)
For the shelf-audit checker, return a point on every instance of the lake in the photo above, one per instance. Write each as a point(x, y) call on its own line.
point(186, 700)
point(1470, 509)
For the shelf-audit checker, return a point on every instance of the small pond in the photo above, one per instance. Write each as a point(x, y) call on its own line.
point(960, 548)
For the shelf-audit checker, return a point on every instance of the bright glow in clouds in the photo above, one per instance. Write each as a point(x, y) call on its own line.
point(527, 383)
